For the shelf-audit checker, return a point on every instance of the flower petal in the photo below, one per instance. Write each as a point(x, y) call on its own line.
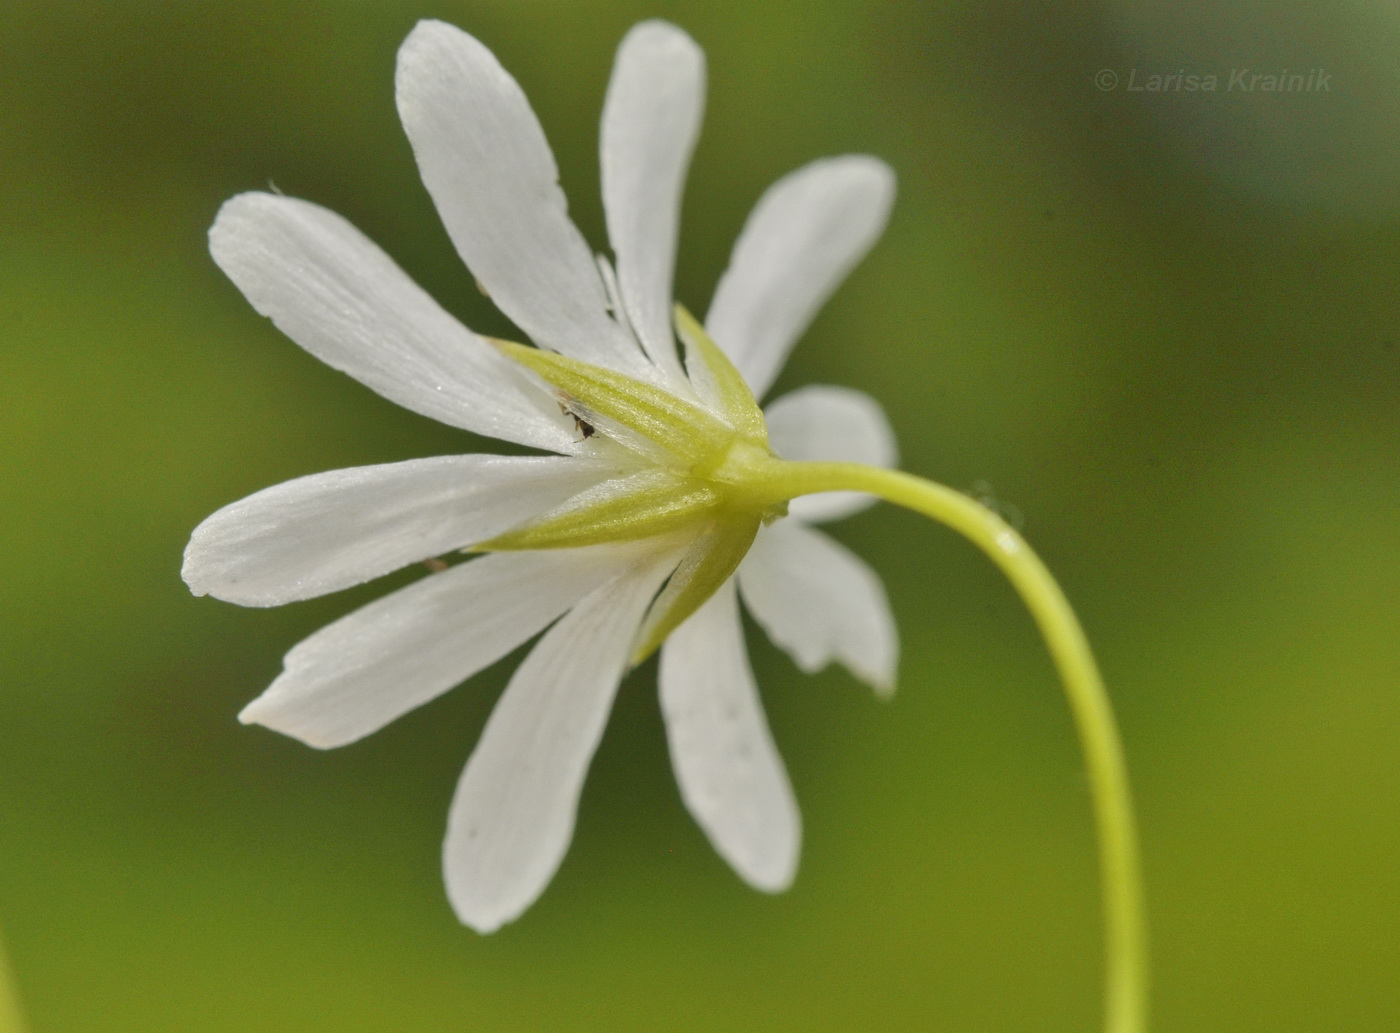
point(329, 288)
point(353, 677)
point(322, 533)
point(484, 158)
point(729, 771)
point(650, 122)
point(830, 424)
point(513, 813)
point(820, 602)
point(804, 235)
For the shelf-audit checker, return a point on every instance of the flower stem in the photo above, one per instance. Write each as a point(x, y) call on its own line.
point(1125, 940)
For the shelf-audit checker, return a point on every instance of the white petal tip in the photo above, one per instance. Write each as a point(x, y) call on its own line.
point(772, 874)
point(429, 27)
point(880, 679)
point(481, 913)
point(775, 884)
point(431, 38)
point(269, 716)
point(203, 584)
point(228, 231)
point(866, 166)
point(882, 675)
point(259, 713)
point(483, 921)
point(658, 33)
point(199, 582)
point(195, 579)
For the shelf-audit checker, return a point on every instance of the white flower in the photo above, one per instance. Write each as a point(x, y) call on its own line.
point(628, 529)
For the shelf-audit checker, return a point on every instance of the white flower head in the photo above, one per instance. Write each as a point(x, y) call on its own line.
point(641, 529)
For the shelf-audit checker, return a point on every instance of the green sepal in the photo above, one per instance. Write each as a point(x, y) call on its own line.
point(688, 431)
point(641, 505)
point(709, 367)
point(715, 555)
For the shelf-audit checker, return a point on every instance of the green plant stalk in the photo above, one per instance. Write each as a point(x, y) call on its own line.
point(1125, 934)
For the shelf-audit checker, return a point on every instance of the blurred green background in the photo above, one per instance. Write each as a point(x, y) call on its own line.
point(1162, 327)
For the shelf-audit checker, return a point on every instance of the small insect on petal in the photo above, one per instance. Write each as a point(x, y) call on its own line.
point(580, 424)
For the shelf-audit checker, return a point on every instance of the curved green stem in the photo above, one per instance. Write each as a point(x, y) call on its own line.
point(1125, 938)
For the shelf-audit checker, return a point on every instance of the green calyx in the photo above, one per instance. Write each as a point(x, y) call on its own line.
point(700, 471)
point(706, 566)
point(696, 465)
